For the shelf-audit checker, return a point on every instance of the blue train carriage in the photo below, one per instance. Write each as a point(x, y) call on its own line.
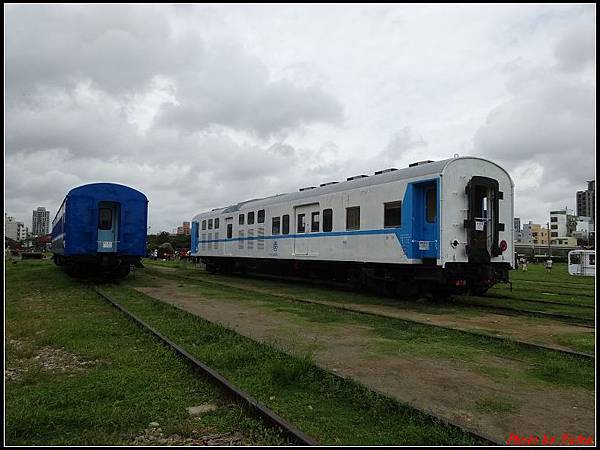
point(443, 226)
point(100, 228)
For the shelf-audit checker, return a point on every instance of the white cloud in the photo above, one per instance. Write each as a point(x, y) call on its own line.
point(202, 106)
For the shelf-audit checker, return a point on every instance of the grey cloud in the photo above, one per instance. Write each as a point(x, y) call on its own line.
point(120, 49)
point(577, 48)
point(549, 119)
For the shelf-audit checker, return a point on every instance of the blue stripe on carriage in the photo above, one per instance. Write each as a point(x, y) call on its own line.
point(308, 235)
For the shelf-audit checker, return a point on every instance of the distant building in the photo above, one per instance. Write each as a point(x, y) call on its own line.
point(22, 231)
point(13, 229)
point(532, 233)
point(584, 229)
point(586, 201)
point(40, 223)
point(562, 223)
point(185, 229)
point(517, 224)
point(565, 241)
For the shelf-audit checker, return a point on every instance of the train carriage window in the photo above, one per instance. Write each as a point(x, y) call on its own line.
point(204, 224)
point(301, 224)
point(250, 217)
point(104, 218)
point(353, 218)
point(217, 222)
point(241, 219)
point(314, 222)
point(261, 216)
point(575, 258)
point(229, 230)
point(276, 226)
point(592, 259)
point(431, 205)
point(285, 224)
point(210, 223)
point(327, 220)
point(392, 214)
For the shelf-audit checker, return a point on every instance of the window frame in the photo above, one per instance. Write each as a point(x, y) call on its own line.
point(303, 217)
point(101, 220)
point(350, 210)
point(229, 230)
point(387, 206)
point(216, 223)
point(260, 216)
point(204, 224)
point(210, 224)
point(315, 223)
point(327, 220)
point(241, 219)
point(285, 224)
point(433, 218)
point(275, 221)
point(250, 218)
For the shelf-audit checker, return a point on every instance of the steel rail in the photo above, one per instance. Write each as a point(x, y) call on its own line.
point(307, 440)
point(230, 389)
point(525, 344)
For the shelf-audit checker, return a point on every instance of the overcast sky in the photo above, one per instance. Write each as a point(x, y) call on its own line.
point(204, 106)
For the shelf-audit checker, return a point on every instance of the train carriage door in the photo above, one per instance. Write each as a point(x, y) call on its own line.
point(108, 227)
point(482, 223)
point(425, 219)
point(302, 227)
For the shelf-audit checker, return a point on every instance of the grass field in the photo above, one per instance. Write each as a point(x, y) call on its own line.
point(461, 305)
point(80, 373)
point(415, 339)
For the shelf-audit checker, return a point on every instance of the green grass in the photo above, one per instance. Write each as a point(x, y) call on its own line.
point(134, 381)
point(398, 337)
point(497, 406)
point(137, 381)
point(334, 410)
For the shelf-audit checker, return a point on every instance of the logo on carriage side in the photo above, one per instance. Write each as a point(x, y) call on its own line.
point(275, 246)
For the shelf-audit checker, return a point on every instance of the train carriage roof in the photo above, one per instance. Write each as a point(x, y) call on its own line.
point(101, 191)
point(431, 168)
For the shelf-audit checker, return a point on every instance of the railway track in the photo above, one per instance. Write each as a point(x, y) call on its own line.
point(212, 375)
point(503, 310)
point(571, 320)
point(548, 302)
point(371, 313)
point(259, 409)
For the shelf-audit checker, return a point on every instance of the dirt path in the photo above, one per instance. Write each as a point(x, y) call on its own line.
point(448, 388)
point(538, 331)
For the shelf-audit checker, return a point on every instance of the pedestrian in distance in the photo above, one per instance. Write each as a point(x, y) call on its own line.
point(524, 264)
point(549, 265)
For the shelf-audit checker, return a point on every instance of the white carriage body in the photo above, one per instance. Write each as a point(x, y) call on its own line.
point(431, 199)
point(582, 263)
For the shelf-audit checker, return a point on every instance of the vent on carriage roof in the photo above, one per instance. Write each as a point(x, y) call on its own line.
point(307, 188)
point(418, 163)
point(356, 177)
point(328, 183)
point(391, 169)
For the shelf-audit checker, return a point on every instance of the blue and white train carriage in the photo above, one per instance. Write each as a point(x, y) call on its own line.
point(442, 226)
